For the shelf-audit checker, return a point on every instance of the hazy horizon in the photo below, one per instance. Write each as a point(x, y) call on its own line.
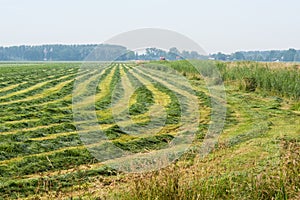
point(158, 48)
point(217, 26)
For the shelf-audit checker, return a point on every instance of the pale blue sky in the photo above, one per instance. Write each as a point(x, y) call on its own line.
point(216, 25)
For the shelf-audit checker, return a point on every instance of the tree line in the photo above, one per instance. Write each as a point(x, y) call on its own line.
point(103, 52)
point(106, 52)
point(59, 52)
point(289, 55)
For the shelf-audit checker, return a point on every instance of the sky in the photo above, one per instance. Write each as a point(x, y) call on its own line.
point(216, 25)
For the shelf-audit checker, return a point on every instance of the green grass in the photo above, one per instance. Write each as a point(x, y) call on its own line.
point(257, 155)
point(279, 81)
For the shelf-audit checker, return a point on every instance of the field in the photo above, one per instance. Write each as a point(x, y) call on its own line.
point(63, 126)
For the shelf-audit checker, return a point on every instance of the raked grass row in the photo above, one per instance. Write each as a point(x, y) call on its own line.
point(38, 134)
point(43, 153)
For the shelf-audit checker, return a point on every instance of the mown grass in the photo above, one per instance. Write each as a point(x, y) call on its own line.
point(144, 99)
point(196, 182)
point(272, 173)
point(257, 155)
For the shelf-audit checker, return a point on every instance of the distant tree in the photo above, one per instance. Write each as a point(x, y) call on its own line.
point(185, 54)
point(129, 55)
point(174, 50)
point(289, 55)
point(173, 53)
point(220, 56)
point(297, 56)
point(258, 58)
point(154, 54)
point(194, 55)
point(238, 56)
point(33, 54)
point(273, 56)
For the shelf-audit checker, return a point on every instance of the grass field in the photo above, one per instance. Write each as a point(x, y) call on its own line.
point(49, 134)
